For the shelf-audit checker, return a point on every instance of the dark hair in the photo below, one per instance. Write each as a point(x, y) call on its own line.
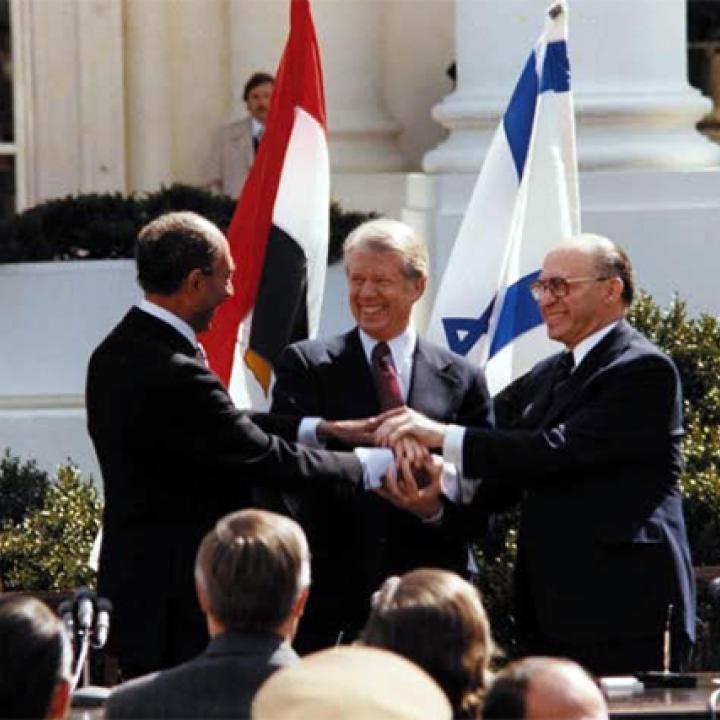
point(252, 566)
point(172, 246)
point(436, 619)
point(256, 79)
point(34, 657)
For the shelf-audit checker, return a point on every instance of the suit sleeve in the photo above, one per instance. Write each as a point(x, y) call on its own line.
point(217, 433)
point(628, 414)
point(297, 390)
point(476, 409)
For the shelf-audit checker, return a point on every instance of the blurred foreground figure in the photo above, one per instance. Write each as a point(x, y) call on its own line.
point(252, 574)
point(352, 683)
point(542, 688)
point(436, 619)
point(35, 660)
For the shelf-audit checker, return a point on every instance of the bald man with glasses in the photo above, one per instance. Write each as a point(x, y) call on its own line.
point(589, 444)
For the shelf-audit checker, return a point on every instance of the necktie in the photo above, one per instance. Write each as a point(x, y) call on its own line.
point(386, 379)
point(563, 370)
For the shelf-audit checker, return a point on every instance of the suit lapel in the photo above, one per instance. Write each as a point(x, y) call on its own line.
point(432, 378)
point(354, 376)
point(608, 348)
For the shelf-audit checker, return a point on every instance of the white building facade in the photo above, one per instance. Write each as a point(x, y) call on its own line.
point(125, 95)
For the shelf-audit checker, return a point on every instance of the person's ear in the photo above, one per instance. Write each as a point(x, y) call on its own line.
point(298, 607)
point(615, 289)
point(420, 285)
point(59, 701)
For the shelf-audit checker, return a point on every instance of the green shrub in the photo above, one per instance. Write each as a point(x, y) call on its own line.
point(49, 548)
point(23, 487)
point(95, 227)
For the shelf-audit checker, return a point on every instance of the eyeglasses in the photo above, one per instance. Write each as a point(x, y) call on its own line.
point(558, 287)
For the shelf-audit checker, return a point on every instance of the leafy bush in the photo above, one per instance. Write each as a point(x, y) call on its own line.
point(93, 227)
point(23, 487)
point(48, 549)
point(694, 345)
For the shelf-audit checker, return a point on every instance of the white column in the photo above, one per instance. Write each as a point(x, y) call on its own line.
point(149, 106)
point(634, 106)
point(351, 37)
point(102, 100)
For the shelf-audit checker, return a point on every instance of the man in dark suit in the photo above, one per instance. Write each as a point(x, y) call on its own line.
point(174, 451)
point(357, 544)
point(252, 574)
point(591, 446)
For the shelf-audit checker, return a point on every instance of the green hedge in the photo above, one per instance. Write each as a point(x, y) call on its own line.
point(96, 227)
point(45, 544)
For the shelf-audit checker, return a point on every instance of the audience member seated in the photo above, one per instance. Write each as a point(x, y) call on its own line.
point(437, 620)
point(541, 687)
point(352, 683)
point(35, 660)
point(252, 575)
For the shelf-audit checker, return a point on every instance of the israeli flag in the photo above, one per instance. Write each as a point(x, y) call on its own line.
point(525, 201)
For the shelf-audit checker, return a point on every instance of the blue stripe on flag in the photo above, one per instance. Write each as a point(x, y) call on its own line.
point(519, 313)
point(518, 120)
point(463, 333)
point(556, 68)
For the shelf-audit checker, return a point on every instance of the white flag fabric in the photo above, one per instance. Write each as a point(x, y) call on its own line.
point(525, 201)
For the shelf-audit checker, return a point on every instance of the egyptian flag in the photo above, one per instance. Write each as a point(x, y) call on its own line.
point(279, 233)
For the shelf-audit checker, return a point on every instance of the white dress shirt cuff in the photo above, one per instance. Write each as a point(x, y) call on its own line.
point(307, 432)
point(375, 463)
point(453, 446)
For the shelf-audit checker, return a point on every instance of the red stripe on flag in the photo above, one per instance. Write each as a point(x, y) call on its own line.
point(299, 82)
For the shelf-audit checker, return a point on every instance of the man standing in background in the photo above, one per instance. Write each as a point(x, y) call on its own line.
point(236, 142)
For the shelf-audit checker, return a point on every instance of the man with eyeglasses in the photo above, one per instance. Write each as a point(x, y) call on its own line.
point(589, 443)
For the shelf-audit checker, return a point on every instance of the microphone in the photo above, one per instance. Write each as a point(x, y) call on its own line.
point(85, 609)
point(103, 608)
point(65, 611)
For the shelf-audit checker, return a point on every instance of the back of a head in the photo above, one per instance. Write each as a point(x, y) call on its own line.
point(35, 657)
point(383, 235)
point(437, 620)
point(171, 246)
point(541, 687)
point(353, 683)
point(252, 566)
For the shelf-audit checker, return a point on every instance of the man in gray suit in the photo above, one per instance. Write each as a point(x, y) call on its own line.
point(252, 575)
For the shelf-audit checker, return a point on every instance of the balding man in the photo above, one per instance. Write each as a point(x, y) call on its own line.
point(542, 688)
point(590, 446)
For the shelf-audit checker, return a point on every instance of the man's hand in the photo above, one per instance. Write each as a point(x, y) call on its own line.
point(349, 432)
point(402, 422)
point(404, 492)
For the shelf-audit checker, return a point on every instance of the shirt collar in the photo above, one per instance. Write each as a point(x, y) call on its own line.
point(257, 127)
point(171, 319)
point(402, 346)
point(585, 346)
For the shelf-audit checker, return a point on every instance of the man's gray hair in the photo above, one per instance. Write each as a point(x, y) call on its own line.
point(390, 236)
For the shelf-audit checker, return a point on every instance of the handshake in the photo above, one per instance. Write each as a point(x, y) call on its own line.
point(405, 473)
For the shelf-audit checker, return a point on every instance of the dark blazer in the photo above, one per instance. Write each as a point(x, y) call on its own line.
point(602, 548)
point(175, 456)
point(219, 683)
point(355, 545)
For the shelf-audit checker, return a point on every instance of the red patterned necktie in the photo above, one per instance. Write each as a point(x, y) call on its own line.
point(386, 378)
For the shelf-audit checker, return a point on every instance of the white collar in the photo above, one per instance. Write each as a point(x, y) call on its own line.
point(402, 346)
point(257, 127)
point(171, 319)
point(585, 346)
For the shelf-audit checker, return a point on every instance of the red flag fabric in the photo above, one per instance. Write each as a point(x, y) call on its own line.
point(298, 87)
